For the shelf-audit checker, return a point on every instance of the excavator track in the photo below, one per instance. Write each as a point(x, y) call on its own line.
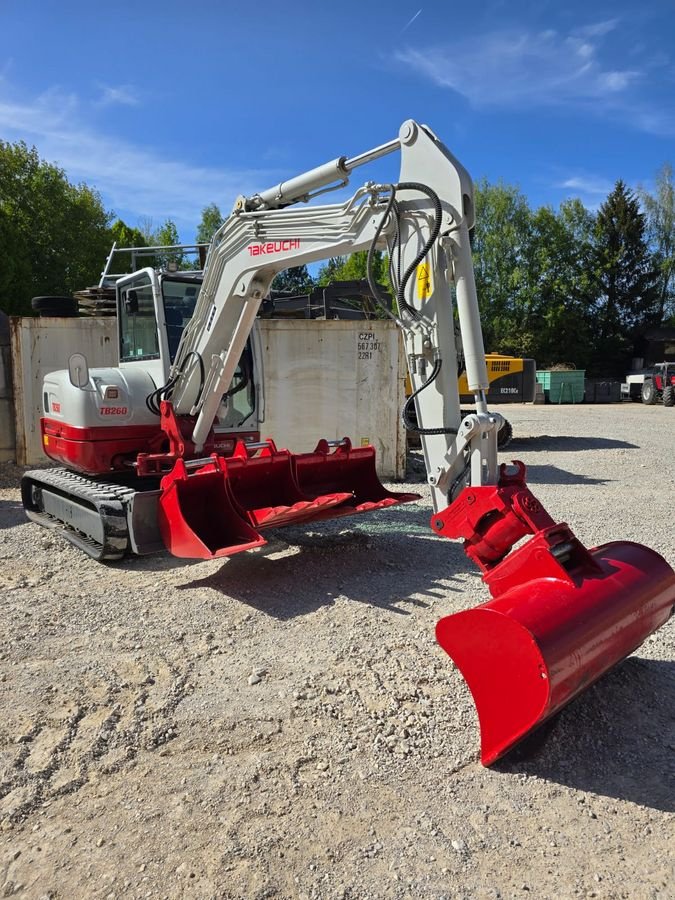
point(90, 513)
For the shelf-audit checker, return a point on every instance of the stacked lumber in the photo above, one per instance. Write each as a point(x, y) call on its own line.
point(96, 301)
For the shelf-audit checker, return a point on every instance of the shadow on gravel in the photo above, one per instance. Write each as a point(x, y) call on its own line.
point(617, 739)
point(573, 442)
point(381, 560)
point(554, 475)
point(11, 513)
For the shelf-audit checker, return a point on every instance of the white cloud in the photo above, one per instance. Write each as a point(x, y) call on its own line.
point(598, 29)
point(123, 94)
point(587, 184)
point(134, 180)
point(523, 68)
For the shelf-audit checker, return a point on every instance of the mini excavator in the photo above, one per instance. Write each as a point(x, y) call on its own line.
point(164, 451)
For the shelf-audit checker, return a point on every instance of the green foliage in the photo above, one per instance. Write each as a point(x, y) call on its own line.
point(54, 235)
point(502, 251)
point(562, 285)
point(296, 280)
point(627, 297)
point(124, 236)
point(210, 222)
point(166, 236)
point(565, 286)
point(355, 268)
point(660, 214)
point(329, 271)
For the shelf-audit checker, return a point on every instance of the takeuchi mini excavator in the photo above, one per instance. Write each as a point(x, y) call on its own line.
point(164, 451)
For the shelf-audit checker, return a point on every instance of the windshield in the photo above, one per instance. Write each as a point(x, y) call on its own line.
point(238, 403)
point(179, 299)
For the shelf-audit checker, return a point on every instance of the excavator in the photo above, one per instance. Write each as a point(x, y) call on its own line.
point(165, 450)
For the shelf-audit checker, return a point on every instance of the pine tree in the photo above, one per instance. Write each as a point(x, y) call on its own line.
point(660, 213)
point(627, 293)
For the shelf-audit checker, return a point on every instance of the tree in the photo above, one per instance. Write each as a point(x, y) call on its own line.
point(210, 222)
point(55, 235)
point(125, 236)
point(355, 268)
point(167, 236)
point(562, 284)
point(628, 299)
point(660, 213)
point(502, 247)
point(296, 280)
point(329, 271)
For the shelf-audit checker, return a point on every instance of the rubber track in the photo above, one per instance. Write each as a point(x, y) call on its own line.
point(108, 499)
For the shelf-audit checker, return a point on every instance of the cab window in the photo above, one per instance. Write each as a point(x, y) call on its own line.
point(238, 402)
point(137, 322)
point(179, 298)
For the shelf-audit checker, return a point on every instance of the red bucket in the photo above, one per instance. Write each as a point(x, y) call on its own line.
point(346, 469)
point(216, 507)
point(263, 483)
point(529, 651)
point(198, 516)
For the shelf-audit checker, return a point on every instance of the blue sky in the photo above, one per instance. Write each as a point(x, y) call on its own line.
point(165, 107)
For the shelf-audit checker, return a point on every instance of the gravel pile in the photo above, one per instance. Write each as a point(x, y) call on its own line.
point(283, 724)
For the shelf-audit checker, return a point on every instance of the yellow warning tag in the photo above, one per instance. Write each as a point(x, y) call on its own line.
point(424, 286)
point(365, 442)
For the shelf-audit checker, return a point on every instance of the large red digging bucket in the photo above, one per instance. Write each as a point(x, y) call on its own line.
point(198, 516)
point(531, 650)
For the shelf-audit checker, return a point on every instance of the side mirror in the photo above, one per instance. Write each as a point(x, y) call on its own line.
point(131, 302)
point(78, 370)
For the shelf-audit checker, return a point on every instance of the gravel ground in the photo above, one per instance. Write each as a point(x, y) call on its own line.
point(283, 724)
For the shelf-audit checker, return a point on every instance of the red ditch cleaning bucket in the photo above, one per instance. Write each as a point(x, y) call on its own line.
point(561, 615)
point(216, 507)
point(346, 468)
point(262, 480)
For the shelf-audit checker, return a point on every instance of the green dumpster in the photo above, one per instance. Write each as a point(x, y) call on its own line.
point(562, 386)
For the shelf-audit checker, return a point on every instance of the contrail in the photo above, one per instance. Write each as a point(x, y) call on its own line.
point(405, 27)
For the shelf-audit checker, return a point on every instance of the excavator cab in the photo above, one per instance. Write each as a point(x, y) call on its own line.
point(153, 309)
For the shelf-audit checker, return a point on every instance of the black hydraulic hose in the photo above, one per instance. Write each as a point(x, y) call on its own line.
point(410, 423)
point(243, 382)
point(435, 231)
point(153, 399)
point(372, 283)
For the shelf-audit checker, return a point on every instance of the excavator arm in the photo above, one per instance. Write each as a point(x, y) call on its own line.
point(424, 221)
point(560, 615)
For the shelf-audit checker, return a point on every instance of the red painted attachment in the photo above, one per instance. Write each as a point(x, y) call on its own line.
point(561, 615)
point(218, 509)
point(349, 469)
point(198, 516)
point(262, 481)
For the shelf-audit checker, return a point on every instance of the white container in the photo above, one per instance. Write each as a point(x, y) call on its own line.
point(323, 379)
point(43, 345)
point(331, 379)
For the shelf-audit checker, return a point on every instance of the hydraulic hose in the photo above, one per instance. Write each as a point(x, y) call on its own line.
point(410, 423)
